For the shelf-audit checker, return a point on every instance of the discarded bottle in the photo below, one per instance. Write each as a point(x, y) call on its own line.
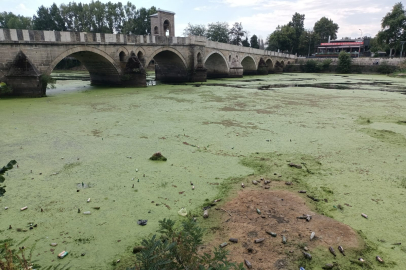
point(332, 251)
point(62, 254)
point(5, 208)
point(284, 239)
point(307, 255)
point(301, 268)
point(341, 249)
point(258, 211)
point(86, 213)
point(379, 259)
point(365, 216)
point(88, 200)
point(234, 240)
point(193, 188)
point(271, 233)
point(206, 213)
point(242, 185)
point(248, 264)
point(312, 235)
point(53, 244)
point(260, 240)
point(223, 244)
point(24, 208)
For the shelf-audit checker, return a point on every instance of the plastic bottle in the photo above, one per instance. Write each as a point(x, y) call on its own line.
point(86, 213)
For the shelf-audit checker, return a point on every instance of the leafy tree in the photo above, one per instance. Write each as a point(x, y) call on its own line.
point(236, 34)
point(393, 28)
point(142, 22)
point(245, 42)
point(344, 62)
point(254, 42)
point(307, 42)
point(49, 19)
point(177, 248)
point(282, 38)
point(195, 30)
point(12, 21)
point(218, 32)
point(297, 23)
point(325, 28)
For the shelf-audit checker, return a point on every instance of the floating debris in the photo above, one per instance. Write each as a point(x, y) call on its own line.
point(288, 183)
point(223, 244)
point(271, 233)
point(142, 222)
point(53, 244)
point(328, 266)
point(364, 215)
point(331, 249)
point(234, 240)
point(206, 213)
point(379, 259)
point(307, 255)
point(258, 211)
point(87, 213)
point(62, 254)
point(341, 249)
point(302, 191)
point(88, 200)
point(298, 166)
point(248, 264)
point(24, 208)
point(138, 249)
point(242, 185)
point(254, 182)
point(260, 240)
point(312, 235)
point(284, 239)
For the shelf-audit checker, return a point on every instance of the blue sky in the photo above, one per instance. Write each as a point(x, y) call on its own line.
point(259, 17)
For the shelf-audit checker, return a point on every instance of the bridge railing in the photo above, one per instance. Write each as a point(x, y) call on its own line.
point(39, 36)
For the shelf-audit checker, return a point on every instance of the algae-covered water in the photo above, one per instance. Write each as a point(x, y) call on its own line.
point(102, 137)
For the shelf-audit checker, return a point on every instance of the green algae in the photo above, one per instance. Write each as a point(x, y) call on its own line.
point(105, 126)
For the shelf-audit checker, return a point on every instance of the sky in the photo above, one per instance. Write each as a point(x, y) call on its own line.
point(259, 17)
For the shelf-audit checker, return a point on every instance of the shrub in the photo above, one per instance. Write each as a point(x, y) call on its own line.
point(177, 248)
point(5, 89)
point(385, 68)
point(325, 65)
point(312, 66)
point(344, 62)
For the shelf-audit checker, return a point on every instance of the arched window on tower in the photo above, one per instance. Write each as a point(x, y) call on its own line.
point(167, 28)
point(156, 30)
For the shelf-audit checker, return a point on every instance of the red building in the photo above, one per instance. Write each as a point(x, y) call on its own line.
point(356, 47)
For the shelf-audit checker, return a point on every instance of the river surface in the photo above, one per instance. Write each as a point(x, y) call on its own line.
point(84, 142)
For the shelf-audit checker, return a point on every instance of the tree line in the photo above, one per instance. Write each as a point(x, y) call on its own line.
point(127, 19)
point(82, 17)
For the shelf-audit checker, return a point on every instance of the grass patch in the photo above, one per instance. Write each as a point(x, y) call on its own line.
point(386, 136)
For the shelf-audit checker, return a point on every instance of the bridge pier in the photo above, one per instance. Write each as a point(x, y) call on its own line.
point(262, 67)
point(24, 78)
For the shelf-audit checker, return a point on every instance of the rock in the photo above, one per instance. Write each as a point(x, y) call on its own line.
point(260, 240)
point(137, 249)
point(254, 182)
point(298, 166)
point(234, 240)
point(223, 244)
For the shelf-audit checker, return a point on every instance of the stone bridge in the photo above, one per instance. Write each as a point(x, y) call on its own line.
point(117, 59)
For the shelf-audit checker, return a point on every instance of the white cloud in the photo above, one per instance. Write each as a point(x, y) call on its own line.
point(203, 8)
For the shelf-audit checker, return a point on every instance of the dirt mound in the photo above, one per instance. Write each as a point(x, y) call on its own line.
point(279, 211)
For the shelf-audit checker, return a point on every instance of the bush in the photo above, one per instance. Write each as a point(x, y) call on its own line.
point(312, 66)
point(385, 68)
point(325, 65)
point(48, 82)
point(344, 62)
point(5, 89)
point(177, 248)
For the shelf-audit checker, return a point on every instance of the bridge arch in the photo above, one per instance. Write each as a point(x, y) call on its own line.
point(269, 63)
point(170, 65)
point(278, 67)
point(249, 65)
point(216, 65)
point(102, 68)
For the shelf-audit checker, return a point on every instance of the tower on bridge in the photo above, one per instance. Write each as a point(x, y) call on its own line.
point(163, 23)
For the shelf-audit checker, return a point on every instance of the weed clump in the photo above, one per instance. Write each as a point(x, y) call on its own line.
point(158, 157)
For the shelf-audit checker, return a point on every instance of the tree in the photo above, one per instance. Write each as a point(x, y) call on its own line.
point(195, 30)
point(297, 23)
point(178, 248)
point(325, 28)
point(254, 42)
point(393, 28)
point(12, 21)
point(307, 42)
point(142, 21)
point(344, 62)
point(282, 38)
point(218, 32)
point(49, 19)
point(245, 42)
point(236, 34)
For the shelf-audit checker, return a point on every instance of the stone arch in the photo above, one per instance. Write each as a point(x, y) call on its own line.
point(156, 30)
point(279, 67)
point(132, 53)
point(141, 57)
point(102, 68)
point(121, 49)
point(216, 65)
point(167, 28)
point(122, 56)
point(170, 65)
point(199, 59)
point(249, 65)
point(269, 64)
